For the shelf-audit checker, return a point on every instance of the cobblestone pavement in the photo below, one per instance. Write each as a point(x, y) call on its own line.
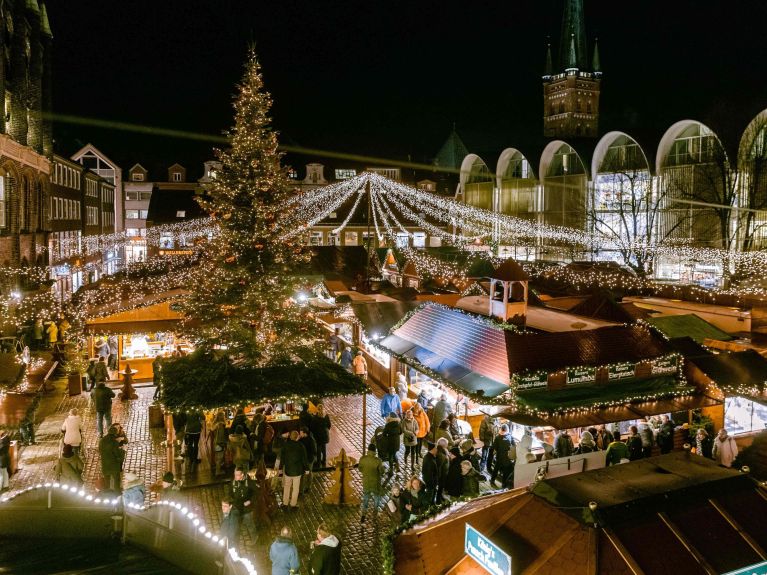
point(146, 457)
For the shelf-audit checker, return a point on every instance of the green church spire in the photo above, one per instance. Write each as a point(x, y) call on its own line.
point(596, 66)
point(573, 29)
point(548, 69)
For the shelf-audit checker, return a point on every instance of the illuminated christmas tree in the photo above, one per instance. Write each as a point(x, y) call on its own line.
point(244, 294)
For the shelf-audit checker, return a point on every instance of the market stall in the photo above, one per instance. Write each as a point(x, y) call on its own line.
point(139, 336)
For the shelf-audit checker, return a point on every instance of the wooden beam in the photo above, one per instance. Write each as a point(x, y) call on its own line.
point(697, 555)
point(623, 552)
point(735, 525)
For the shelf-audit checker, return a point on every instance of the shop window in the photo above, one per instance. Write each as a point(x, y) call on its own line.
point(166, 241)
point(403, 240)
point(419, 240)
point(742, 415)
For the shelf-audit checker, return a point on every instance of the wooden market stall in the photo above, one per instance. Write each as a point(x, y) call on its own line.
point(151, 329)
point(611, 521)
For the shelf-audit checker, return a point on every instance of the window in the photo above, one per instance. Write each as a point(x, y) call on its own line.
point(166, 241)
point(131, 214)
point(3, 222)
point(345, 174)
point(180, 213)
point(132, 196)
point(419, 240)
point(315, 239)
point(176, 176)
point(137, 177)
point(403, 239)
point(91, 215)
point(142, 214)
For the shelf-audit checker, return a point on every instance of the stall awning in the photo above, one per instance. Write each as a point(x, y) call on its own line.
point(449, 370)
point(611, 414)
point(688, 325)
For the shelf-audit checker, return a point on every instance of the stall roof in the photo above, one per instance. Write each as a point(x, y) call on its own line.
point(691, 325)
point(676, 513)
point(736, 373)
point(380, 317)
point(602, 305)
point(555, 351)
point(611, 414)
point(688, 347)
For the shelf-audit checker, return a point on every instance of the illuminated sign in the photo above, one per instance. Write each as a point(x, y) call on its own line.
point(176, 252)
point(533, 381)
point(486, 553)
point(620, 371)
point(756, 569)
point(579, 375)
point(665, 365)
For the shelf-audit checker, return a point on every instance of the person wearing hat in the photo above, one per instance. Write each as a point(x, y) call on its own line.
point(470, 480)
point(360, 366)
point(112, 456)
point(454, 480)
point(166, 487)
point(440, 412)
point(134, 491)
point(346, 358)
point(503, 465)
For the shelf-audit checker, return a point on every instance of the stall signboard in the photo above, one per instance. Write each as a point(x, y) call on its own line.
point(532, 381)
point(665, 365)
point(581, 375)
point(756, 569)
point(621, 371)
point(486, 553)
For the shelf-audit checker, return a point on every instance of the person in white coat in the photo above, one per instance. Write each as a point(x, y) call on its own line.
point(72, 428)
point(725, 449)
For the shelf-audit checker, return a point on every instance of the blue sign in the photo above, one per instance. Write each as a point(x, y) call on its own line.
point(757, 569)
point(486, 553)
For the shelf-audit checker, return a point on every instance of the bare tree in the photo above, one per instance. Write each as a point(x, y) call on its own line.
point(626, 210)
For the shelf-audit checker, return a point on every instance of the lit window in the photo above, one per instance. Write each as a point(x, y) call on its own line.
point(181, 214)
point(131, 214)
point(176, 176)
point(137, 177)
point(345, 174)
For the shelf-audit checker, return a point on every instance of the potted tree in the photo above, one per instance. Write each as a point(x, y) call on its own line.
point(75, 369)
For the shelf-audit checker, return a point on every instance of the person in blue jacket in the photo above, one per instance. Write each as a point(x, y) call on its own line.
point(284, 554)
point(390, 403)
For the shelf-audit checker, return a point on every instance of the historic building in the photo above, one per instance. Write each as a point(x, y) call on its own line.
point(81, 208)
point(571, 90)
point(26, 142)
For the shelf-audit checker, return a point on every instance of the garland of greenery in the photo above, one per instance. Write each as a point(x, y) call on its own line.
point(204, 381)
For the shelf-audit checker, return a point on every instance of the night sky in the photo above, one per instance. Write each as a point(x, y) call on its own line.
point(389, 78)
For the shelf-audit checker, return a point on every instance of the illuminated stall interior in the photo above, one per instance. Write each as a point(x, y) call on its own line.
point(143, 334)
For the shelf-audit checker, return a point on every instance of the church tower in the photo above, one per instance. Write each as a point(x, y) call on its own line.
point(571, 90)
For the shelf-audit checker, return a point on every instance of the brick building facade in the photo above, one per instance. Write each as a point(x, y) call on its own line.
point(26, 142)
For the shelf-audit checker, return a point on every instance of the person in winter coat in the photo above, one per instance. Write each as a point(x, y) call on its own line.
point(430, 471)
point(240, 419)
point(112, 456)
point(360, 365)
point(320, 428)
point(725, 449)
point(218, 431)
point(134, 491)
point(424, 425)
point(443, 465)
point(470, 480)
point(647, 437)
point(704, 445)
point(468, 453)
point(486, 436)
point(53, 333)
point(100, 372)
point(563, 444)
point(401, 387)
point(390, 403)
point(391, 440)
point(37, 334)
point(617, 452)
point(326, 553)
point(240, 449)
point(72, 428)
point(102, 398)
point(440, 412)
point(5, 459)
point(634, 443)
point(423, 399)
point(257, 435)
point(414, 499)
point(372, 469)
point(346, 358)
point(295, 465)
point(192, 432)
point(503, 465)
point(242, 491)
point(230, 523)
point(454, 481)
point(69, 467)
point(666, 435)
point(283, 554)
point(410, 437)
point(603, 438)
point(443, 432)
point(306, 439)
point(587, 444)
